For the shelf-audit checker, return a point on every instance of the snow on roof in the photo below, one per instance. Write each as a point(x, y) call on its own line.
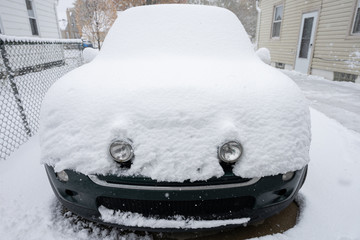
point(176, 29)
point(176, 103)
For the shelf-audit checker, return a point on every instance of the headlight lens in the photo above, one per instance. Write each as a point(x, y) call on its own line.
point(287, 176)
point(62, 176)
point(230, 152)
point(121, 151)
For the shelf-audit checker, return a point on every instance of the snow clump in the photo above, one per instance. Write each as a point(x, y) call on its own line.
point(89, 54)
point(264, 55)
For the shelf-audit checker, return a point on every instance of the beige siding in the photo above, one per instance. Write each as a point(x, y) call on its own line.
point(334, 48)
point(46, 18)
point(283, 49)
point(15, 18)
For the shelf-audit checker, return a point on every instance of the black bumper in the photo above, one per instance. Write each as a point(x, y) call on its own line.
point(257, 200)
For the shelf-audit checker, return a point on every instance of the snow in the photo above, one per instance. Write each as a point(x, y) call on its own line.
point(181, 30)
point(138, 220)
point(176, 108)
point(328, 199)
point(338, 100)
point(329, 208)
point(264, 55)
point(89, 54)
point(7, 38)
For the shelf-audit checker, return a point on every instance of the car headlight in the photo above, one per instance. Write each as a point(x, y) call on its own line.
point(230, 152)
point(287, 176)
point(62, 176)
point(121, 151)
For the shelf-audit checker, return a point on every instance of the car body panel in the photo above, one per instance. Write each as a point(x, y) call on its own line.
point(269, 195)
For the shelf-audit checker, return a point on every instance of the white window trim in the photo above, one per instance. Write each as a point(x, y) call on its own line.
point(34, 17)
point(357, 6)
point(2, 30)
point(277, 21)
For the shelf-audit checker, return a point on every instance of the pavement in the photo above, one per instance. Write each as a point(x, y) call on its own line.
point(337, 100)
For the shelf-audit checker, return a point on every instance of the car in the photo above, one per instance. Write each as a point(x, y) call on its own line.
point(176, 125)
point(87, 44)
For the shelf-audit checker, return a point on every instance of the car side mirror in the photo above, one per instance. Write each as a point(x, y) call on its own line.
point(264, 55)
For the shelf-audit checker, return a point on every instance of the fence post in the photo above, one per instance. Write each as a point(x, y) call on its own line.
point(10, 74)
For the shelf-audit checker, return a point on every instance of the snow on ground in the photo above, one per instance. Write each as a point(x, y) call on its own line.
point(338, 100)
point(329, 198)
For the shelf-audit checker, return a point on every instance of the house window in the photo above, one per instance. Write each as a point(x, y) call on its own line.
point(280, 65)
point(356, 25)
point(345, 77)
point(278, 13)
point(32, 18)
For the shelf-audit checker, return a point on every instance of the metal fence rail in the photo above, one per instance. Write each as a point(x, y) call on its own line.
point(28, 67)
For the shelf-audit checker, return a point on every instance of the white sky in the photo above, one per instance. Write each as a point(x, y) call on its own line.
point(61, 8)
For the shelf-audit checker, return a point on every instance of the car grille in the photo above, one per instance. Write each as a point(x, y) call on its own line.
point(203, 209)
point(150, 182)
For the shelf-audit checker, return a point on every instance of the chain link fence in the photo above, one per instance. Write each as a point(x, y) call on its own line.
point(28, 67)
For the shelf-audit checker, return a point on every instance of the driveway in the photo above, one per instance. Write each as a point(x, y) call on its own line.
point(337, 100)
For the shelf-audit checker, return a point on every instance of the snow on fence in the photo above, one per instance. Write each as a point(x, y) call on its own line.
point(28, 67)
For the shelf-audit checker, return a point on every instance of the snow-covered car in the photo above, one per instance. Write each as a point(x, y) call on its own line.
point(176, 124)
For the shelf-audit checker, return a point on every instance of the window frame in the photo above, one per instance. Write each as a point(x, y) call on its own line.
point(356, 12)
point(273, 21)
point(32, 18)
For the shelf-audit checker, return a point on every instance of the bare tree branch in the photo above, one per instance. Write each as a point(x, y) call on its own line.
point(94, 18)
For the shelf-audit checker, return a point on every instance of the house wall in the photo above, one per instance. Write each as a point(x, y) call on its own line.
point(334, 48)
point(46, 17)
point(283, 49)
point(15, 20)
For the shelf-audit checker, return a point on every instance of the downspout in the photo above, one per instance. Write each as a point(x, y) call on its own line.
point(258, 23)
point(56, 2)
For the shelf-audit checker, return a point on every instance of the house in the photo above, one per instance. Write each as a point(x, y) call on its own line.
point(320, 37)
point(31, 18)
point(70, 29)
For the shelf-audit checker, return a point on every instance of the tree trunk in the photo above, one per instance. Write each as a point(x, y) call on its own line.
point(98, 35)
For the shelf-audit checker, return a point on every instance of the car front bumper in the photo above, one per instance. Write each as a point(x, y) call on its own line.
point(222, 199)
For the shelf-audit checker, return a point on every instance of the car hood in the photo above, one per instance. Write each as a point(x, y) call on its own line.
point(176, 112)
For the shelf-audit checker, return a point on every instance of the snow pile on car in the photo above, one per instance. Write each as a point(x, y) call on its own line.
point(178, 81)
point(89, 54)
point(264, 55)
